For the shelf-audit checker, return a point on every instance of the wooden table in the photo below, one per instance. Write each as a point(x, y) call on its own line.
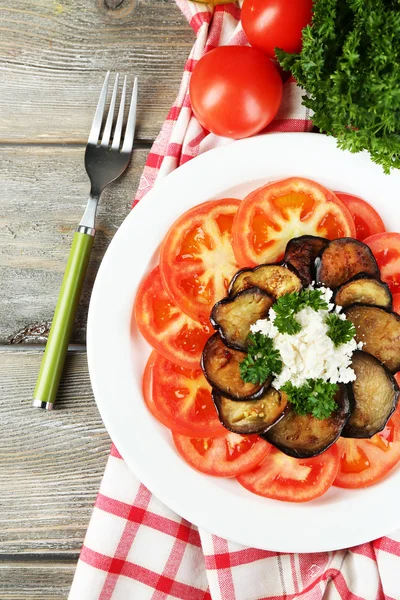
point(53, 57)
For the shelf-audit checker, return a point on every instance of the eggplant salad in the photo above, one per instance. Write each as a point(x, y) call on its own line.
point(305, 350)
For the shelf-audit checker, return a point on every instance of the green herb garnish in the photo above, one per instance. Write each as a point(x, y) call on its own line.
point(349, 67)
point(287, 306)
point(315, 397)
point(339, 330)
point(261, 361)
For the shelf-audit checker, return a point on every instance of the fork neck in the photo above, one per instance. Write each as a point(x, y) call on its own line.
point(88, 221)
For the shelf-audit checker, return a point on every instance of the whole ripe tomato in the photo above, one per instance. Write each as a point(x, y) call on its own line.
point(270, 24)
point(235, 91)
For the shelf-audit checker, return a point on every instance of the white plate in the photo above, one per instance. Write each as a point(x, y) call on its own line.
point(117, 354)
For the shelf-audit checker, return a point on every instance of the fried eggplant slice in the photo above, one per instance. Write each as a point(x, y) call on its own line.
point(220, 365)
point(275, 280)
point(363, 289)
point(301, 253)
point(250, 416)
point(375, 395)
point(379, 330)
point(304, 436)
point(232, 317)
point(342, 259)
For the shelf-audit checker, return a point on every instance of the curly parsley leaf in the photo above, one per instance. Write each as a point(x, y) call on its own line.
point(287, 306)
point(261, 361)
point(316, 397)
point(340, 331)
point(349, 67)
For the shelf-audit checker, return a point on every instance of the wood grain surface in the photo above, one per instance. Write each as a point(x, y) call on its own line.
point(53, 57)
point(44, 191)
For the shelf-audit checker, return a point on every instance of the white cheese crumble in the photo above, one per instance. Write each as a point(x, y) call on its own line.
point(310, 353)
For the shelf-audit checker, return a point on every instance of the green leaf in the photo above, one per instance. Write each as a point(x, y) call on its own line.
point(261, 361)
point(340, 331)
point(316, 397)
point(287, 306)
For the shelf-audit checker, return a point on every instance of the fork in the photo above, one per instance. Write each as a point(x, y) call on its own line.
point(105, 160)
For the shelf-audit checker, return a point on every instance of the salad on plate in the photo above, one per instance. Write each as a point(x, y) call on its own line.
point(276, 340)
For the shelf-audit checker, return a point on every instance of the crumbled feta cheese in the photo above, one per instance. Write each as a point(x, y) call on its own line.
point(310, 353)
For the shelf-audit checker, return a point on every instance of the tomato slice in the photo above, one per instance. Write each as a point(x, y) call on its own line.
point(366, 219)
point(197, 260)
point(172, 333)
point(180, 398)
point(386, 249)
point(396, 303)
point(282, 477)
point(223, 456)
point(273, 214)
point(365, 461)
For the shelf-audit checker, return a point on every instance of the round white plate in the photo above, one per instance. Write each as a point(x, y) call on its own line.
point(117, 354)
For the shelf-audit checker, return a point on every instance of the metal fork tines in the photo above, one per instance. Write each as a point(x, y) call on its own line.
point(105, 159)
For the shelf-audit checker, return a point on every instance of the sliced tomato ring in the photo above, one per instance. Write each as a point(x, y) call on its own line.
point(180, 398)
point(223, 456)
point(197, 261)
point(386, 249)
point(282, 477)
point(172, 333)
point(366, 219)
point(365, 461)
point(272, 215)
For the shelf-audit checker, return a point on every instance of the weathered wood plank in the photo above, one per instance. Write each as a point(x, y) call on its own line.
point(31, 580)
point(51, 464)
point(53, 57)
point(43, 193)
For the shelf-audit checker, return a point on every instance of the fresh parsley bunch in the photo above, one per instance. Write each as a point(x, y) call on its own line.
point(261, 361)
point(349, 66)
point(339, 330)
point(287, 306)
point(315, 397)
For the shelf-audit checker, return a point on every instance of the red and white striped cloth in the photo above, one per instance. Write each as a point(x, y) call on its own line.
point(135, 547)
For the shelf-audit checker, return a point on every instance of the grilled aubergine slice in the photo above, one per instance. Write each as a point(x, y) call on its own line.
point(374, 393)
point(342, 259)
point(301, 253)
point(275, 280)
point(250, 416)
point(379, 330)
point(220, 365)
point(363, 289)
point(304, 436)
point(232, 317)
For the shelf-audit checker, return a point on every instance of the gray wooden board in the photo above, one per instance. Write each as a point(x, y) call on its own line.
point(35, 580)
point(51, 464)
point(42, 196)
point(54, 55)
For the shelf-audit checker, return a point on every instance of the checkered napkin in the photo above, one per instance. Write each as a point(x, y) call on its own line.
point(135, 547)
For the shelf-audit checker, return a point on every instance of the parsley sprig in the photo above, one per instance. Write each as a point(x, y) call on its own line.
point(339, 330)
point(349, 67)
point(315, 397)
point(287, 306)
point(261, 361)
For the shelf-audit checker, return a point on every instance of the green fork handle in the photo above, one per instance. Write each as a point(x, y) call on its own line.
point(63, 320)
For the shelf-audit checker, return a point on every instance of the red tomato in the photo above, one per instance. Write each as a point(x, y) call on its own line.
point(386, 249)
point(365, 461)
point(397, 378)
point(197, 261)
point(226, 456)
point(180, 398)
point(172, 333)
point(270, 24)
point(366, 219)
point(275, 213)
point(235, 91)
point(282, 477)
point(396, 303)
